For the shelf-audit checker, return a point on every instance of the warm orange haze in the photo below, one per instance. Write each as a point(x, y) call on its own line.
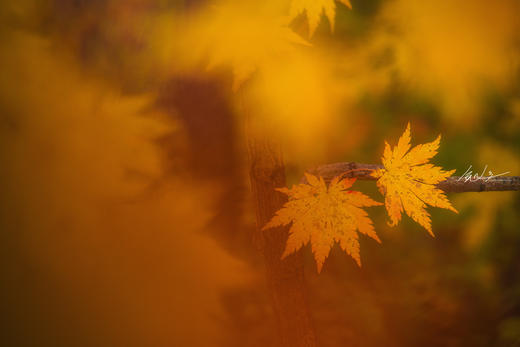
point(214, 173)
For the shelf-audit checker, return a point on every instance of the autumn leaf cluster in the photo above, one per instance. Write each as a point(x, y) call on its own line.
point(322, 214)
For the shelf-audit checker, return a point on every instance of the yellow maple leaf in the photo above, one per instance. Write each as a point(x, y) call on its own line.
point(314, 10)
point(322, 215)
point(408, 181)
point(246, 41)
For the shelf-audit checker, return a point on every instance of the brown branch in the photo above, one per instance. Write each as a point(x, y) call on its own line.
point(454, 184)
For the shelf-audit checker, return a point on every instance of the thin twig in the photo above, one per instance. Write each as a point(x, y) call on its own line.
point(454, 184)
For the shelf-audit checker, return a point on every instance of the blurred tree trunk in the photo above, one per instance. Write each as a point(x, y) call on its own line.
point(285, 278)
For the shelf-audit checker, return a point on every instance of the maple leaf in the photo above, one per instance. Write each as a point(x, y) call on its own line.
point(314, 10)
point(246, 42)
point(408, 181)
point(322, 215)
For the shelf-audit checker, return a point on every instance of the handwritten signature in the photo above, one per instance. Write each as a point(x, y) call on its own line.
point(470, 176)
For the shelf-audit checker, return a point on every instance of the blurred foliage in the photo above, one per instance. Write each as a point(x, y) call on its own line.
point(125, 215)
